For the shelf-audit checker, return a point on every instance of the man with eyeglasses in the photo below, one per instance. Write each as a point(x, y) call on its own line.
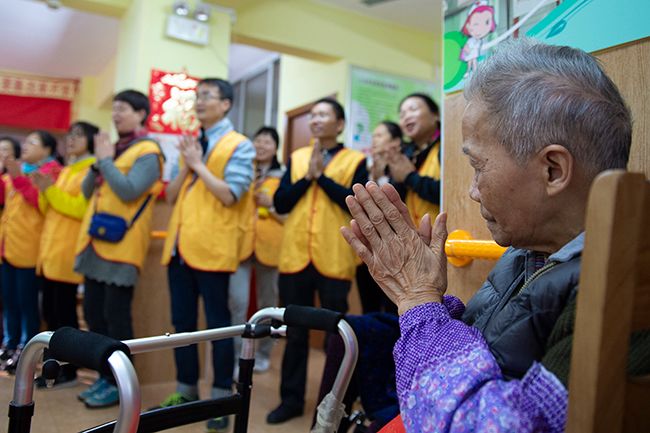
point(204, 236)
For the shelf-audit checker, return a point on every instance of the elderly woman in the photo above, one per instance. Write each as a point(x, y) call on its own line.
point(541, 122)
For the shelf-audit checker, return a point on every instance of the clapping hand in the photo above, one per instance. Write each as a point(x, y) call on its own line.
point(42, 181)
point(104, 147)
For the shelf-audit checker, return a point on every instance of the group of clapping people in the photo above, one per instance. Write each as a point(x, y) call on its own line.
point(235, 208)
point(541, 122)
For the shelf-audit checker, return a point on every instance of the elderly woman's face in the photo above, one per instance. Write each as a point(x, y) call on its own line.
point(510, 195)
point(416, 120)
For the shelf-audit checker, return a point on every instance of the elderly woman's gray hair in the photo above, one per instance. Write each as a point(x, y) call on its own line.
point(536, 95)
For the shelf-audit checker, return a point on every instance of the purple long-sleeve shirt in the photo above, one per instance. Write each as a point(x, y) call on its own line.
point(449, 381)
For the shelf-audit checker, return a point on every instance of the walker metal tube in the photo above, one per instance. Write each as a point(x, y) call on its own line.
point(29, 358)
point(346, 369)
point(350, 344)
point(129, 391)
point(170, 341)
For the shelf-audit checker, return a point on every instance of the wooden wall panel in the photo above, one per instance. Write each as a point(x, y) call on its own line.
point(629, 68)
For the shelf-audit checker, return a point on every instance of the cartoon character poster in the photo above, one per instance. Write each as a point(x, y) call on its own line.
point(472, 31)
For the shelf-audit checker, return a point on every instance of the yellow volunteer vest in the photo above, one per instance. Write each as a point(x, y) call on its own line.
point(311, 231)
point(417, 206)
point(207, 234)
point(60, 231)
point(247, 225)
point(20, 230)
point(268, 230)
point(132, 249)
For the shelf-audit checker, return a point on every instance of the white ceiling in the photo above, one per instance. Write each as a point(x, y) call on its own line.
point(56, 43)
point(425, 15)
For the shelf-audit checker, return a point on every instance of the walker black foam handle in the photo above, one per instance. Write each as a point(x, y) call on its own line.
point(85, 349)
point(312, 318)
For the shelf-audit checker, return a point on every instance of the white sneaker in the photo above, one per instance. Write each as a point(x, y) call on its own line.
point(261, 365)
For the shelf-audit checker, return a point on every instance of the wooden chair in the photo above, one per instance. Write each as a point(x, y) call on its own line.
point(613, 301)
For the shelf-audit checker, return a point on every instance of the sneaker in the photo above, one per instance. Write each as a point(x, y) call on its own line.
point(63, 380)
point(83, 395)
point(216, 425)
point(262, 365)
point(105, 396)
point(283, 413)
point(11, 364)
point(175, 399)
point(5, 355)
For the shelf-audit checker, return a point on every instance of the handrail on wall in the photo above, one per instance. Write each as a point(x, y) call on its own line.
point(461, 249)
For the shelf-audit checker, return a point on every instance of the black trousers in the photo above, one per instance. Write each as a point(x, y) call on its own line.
point(107, 310)
point(299, 289)
point(373, 299)
point(59, 304)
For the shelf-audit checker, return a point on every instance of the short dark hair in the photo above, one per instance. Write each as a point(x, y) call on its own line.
point(225, 88)
point(269, 130)
point(15, 145)
point(47, 140)
point(339, 112)
point(393, 129)
point(428, 101)
point(137, 100)
point(89, 130)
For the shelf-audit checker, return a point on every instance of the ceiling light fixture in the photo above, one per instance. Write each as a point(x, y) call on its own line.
point(181, 8)
point(202, 12)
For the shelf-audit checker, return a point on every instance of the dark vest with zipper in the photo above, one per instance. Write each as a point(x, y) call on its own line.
point(516, 313)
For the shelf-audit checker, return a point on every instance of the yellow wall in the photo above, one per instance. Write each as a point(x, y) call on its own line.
point(93, 102)
point(143, 46)
point(303, 81)
point(306, 28)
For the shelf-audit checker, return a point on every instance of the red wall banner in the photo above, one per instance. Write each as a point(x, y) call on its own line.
point(172, 99)
point(36, 102)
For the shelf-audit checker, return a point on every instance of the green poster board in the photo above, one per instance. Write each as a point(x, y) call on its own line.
point(590, 25)
point(375, 96)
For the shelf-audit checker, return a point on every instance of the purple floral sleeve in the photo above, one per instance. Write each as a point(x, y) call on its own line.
point(448, 381)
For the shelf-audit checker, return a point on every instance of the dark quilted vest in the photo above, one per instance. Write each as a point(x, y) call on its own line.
point(516, 325)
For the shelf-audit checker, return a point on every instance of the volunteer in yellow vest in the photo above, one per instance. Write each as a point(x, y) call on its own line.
point(123, 183)
point(20, 236)
point(9, 149)
point(204, 237)
point(63, 205)
point(261, 243)
point(314, 255)
point(415, 172)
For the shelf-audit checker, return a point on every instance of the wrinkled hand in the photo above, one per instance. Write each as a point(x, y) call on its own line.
point(262, 199)
point(316, 162)
point(400, 167)
point(409, 270)
point(13, 167)
point(104, 147)
point(42, 181)
point(191, 151)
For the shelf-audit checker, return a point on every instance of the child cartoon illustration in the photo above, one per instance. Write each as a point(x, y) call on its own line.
point(479, 23)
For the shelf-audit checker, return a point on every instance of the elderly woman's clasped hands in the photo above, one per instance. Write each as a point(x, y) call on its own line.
point(409, 264)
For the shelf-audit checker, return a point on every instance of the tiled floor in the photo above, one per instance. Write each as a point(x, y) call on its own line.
point(59, 411)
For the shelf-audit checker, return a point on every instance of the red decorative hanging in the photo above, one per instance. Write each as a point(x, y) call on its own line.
point(172, 98)
point(36, 102)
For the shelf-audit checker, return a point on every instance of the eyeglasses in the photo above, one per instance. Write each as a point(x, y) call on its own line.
point(204, 96)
